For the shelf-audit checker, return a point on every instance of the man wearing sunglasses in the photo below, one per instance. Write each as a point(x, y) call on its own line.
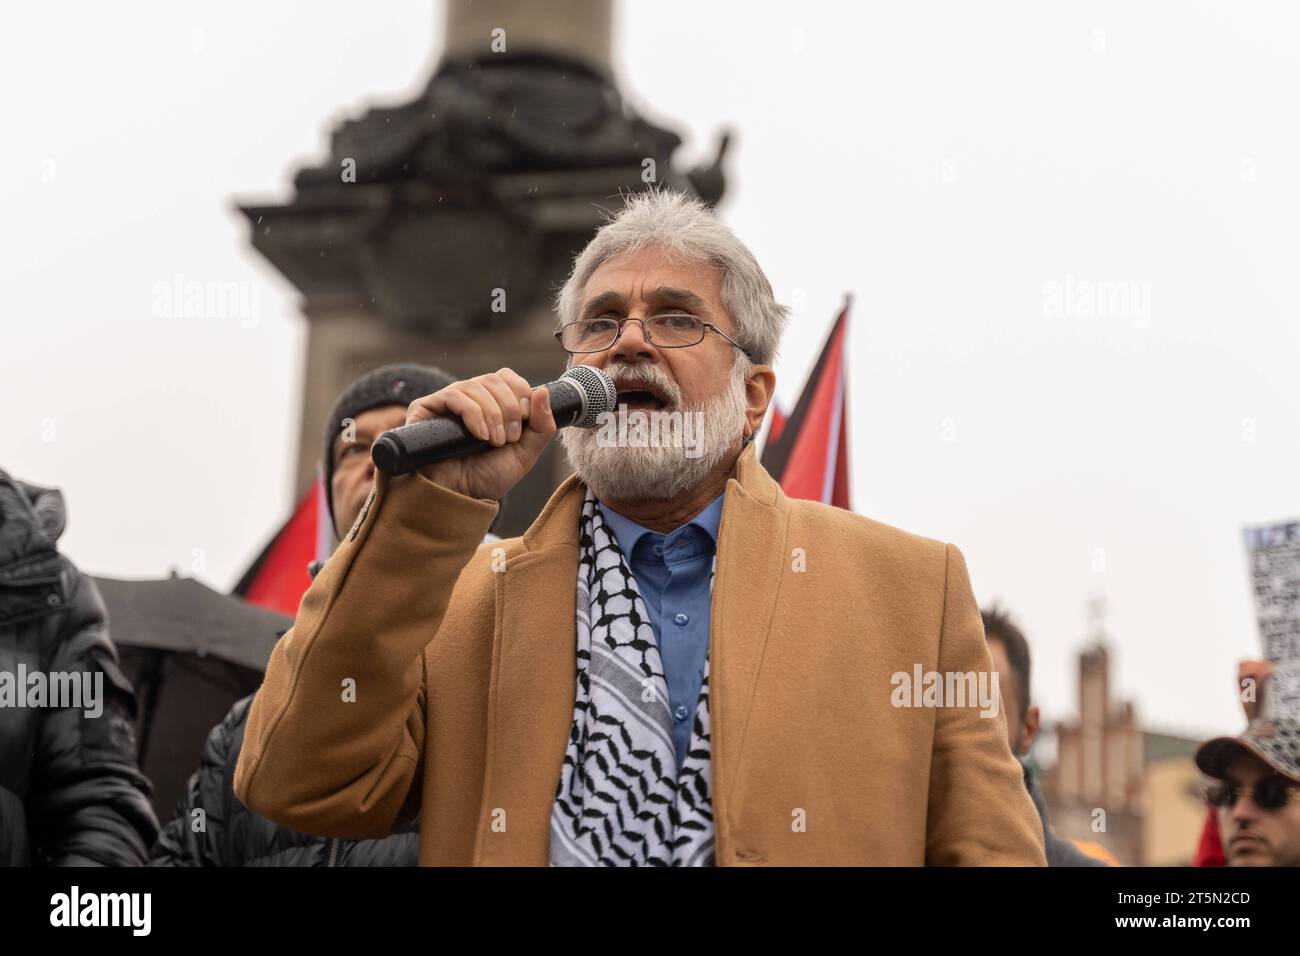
point(675, 665)
point(1257, 791)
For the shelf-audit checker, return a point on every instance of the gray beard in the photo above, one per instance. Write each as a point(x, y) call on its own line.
point(660, 473)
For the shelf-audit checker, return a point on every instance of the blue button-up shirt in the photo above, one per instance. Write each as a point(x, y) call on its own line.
point(672, 573)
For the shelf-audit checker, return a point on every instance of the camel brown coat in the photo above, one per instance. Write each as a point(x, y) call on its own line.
point(429, 673)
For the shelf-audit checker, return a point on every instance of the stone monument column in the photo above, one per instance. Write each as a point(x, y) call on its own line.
point(581, 28)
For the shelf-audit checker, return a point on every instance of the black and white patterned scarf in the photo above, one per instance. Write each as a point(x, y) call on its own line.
point(621, 800)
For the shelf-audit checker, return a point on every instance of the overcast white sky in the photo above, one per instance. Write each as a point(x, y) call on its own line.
point(946, 163)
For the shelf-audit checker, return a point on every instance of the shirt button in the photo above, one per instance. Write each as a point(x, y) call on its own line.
point(680, 712)
point(680, 620)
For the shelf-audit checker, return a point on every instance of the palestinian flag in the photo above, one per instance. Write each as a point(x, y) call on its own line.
point(808, 451)
point(278, 578)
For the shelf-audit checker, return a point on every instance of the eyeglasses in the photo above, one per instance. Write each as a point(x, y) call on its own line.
point(668, 331)
point(1271, 793)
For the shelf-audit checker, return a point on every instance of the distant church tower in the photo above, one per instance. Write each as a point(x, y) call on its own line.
point(439, 231)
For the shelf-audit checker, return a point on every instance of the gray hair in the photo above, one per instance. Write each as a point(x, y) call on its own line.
point(684, 226)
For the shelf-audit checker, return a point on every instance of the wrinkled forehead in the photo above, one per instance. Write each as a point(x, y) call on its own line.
point(653, 279)
point(659, 297)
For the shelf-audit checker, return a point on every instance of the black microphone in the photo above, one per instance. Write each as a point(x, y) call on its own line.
point(578, 398)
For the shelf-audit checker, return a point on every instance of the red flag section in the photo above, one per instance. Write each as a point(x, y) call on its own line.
point(778, 423)
point(808, 453)
point(1209, 851)
point(278, 578)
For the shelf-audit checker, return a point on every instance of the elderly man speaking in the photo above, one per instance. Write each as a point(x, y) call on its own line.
point(676, 664)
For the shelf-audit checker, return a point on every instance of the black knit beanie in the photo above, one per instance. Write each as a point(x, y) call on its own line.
point(398, 384)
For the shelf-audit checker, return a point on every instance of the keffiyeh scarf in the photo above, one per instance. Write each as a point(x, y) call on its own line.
point(622, 800)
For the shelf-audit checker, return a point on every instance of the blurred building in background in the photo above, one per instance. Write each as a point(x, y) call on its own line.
point(1135, 792)
point(439, 230)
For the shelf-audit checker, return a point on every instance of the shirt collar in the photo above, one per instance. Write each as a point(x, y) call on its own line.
point(628, 532)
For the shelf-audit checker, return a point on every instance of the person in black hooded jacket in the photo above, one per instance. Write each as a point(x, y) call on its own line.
point(71, 792)
point(212, 827)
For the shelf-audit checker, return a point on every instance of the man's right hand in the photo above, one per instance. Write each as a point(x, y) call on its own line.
point(501, 408)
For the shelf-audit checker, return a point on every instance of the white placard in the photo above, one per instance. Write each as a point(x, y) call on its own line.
point(1274, 553)
point(1282, 693)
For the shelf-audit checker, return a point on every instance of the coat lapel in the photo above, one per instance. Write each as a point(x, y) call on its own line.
point(752, 558)
point(530, 704)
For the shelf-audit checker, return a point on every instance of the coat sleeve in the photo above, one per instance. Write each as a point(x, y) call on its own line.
point(89, 802)
point(980, 813)
point(335, 734)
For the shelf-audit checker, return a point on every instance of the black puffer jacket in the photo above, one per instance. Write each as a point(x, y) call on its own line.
point(212, 827)
point(70, 791)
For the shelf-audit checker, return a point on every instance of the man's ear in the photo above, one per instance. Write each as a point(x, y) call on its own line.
point(759, 386)
point(1032, 721)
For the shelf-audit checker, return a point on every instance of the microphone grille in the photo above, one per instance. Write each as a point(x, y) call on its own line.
point(598, 388)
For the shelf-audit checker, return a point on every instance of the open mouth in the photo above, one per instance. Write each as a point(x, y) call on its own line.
point(641, 397)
